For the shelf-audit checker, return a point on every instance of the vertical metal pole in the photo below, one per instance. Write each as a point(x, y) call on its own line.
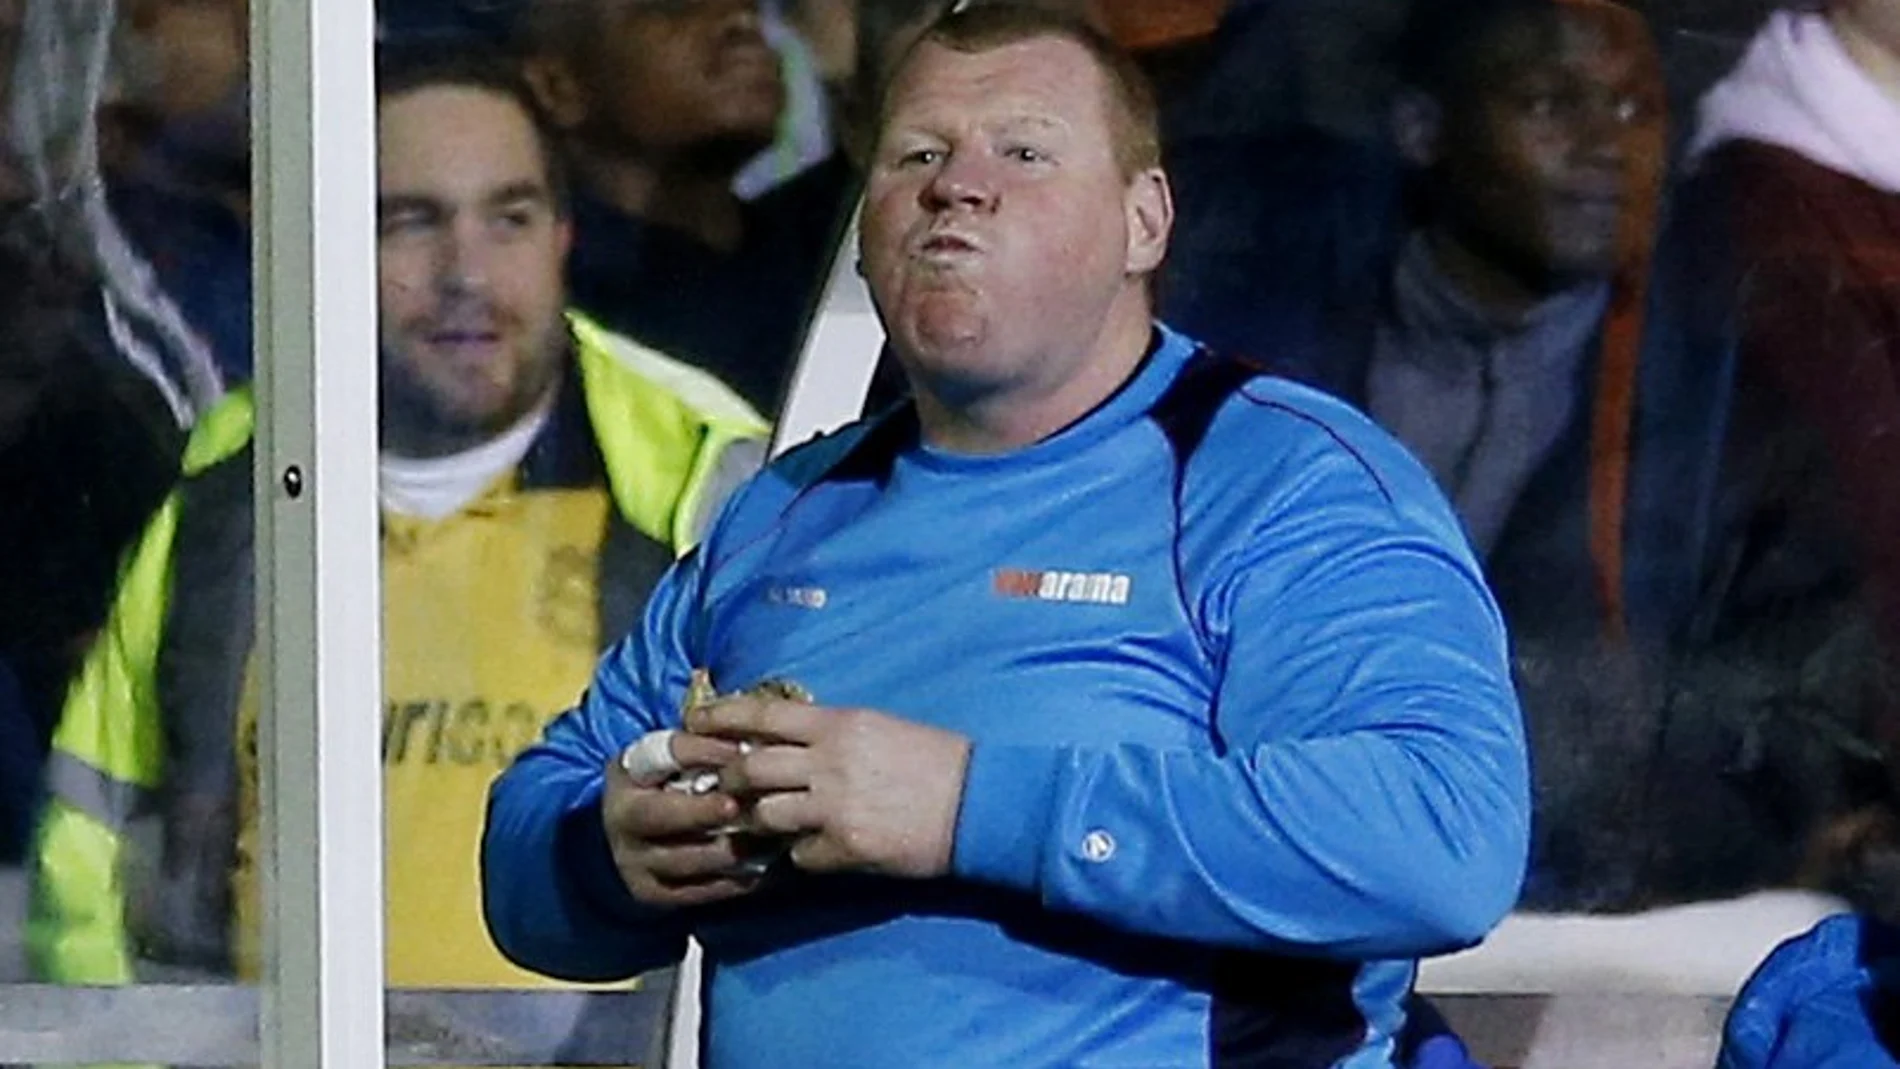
point(318, 578)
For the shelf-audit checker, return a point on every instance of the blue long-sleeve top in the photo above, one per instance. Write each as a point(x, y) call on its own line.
point(1244, 745)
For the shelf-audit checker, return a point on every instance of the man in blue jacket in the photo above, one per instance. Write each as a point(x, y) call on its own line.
point(1159, 714)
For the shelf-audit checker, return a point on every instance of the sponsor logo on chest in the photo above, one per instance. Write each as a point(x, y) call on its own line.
point(1086, 588)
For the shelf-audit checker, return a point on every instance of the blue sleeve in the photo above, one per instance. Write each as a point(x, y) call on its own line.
point(1368, 793)
point(553, 899)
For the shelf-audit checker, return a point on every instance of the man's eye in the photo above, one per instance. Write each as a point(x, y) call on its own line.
point(1631, 110)
point(404, 224)
point(920, 157)
point(1541, 105)
point(1026, 154)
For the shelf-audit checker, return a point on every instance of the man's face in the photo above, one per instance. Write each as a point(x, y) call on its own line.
point(1552, 141)
point(664, 77)
point(183, 64)
point(998, 228)
point(470, 250)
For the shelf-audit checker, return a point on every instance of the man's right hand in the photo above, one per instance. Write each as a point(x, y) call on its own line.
point(181, 915)
point(672, 848)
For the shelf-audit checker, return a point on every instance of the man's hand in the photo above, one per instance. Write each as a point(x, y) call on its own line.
point(181, 914)
point(670, 846)
point(856, 790)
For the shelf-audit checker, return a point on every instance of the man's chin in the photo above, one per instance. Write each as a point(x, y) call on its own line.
point(1584, 256)
point(1583, 268)
point(489, 415)
point(743, 138)
point(945, 339)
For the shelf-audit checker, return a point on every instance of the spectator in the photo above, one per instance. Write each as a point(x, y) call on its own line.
point(806, 135)
point(1272, 66)
point(1797, 167)
point(1486, 290)
point(660, 106)
point(178, 161)
point(1197, 719)
point(86, 450)
point(538, 472)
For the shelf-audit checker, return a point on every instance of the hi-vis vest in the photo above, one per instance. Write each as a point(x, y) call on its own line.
point(662, 429)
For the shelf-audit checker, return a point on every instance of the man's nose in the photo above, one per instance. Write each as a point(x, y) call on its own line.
point(735, 22)
point(963, 180)
point(732, 15)
point(464, 263)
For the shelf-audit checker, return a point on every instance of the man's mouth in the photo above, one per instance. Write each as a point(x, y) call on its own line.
point(748, 58)
point(947, 243)
point(1594, 200)
point(463, 341)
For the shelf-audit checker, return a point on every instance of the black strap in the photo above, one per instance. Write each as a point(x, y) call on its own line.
point(1185, 412)
point(875, 452)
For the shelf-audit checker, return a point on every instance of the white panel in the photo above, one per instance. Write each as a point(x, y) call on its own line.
point(315, 152)
point(834, 373)
point(1703, 948)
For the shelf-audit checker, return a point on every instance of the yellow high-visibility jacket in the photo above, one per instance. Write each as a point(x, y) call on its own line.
point(491, 627)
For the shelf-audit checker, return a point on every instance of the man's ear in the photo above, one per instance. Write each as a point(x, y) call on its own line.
point(1150, 206)
point(1418, 126)
point(556, 89)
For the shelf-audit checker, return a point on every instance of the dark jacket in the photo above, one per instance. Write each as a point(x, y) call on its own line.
point(200, 250)
point(1285, 250)
point(740, 315)
point(1806, 590)
point(87, 450)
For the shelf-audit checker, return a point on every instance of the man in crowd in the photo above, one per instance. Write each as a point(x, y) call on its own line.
point(538, 473)
point(1794, 177)
point(1159, 715)
point(659, 106)
point(177, 147)
point(87, 445)
point(1487, 291)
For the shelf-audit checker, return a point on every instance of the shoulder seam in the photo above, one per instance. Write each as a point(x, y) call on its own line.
point(1325, 428)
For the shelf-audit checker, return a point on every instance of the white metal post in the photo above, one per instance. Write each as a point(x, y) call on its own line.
point(313, 124)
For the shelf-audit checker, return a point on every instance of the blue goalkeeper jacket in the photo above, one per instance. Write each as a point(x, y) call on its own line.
point(1244, 743)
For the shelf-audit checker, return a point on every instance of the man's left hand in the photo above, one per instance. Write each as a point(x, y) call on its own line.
point(855, 789)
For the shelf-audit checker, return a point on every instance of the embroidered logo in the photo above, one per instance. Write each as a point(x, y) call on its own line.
point(567, 595)
point(802, 597)
point(1087, 588)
